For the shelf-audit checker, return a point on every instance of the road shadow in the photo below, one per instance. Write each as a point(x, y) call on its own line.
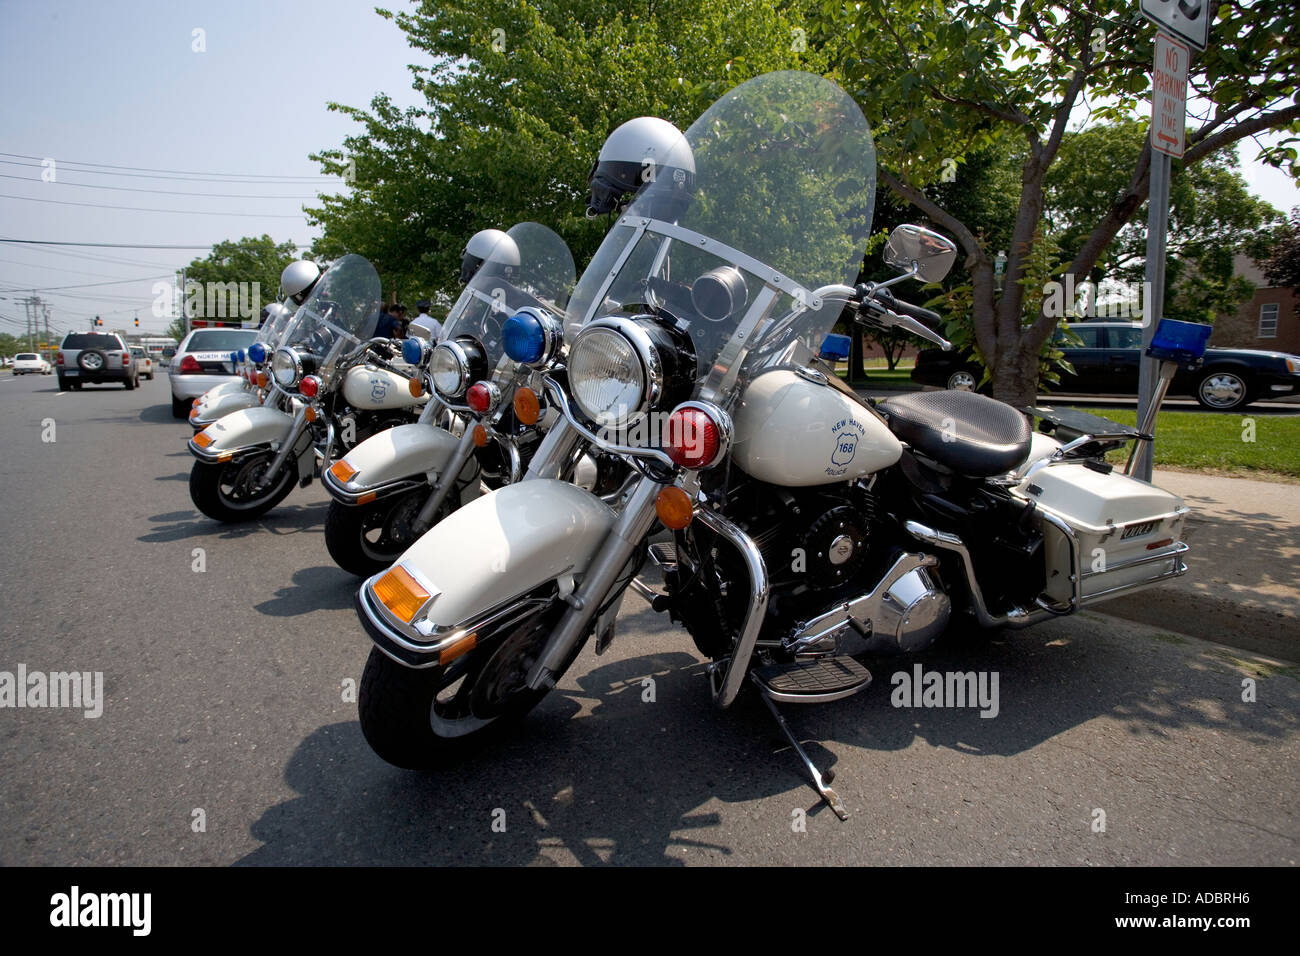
point(159, 415)
point(601, 775)
point(181, 525)
point(179, 476)
point(325, 587)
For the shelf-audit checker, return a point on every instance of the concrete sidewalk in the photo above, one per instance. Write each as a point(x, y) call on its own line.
point(1242, 586)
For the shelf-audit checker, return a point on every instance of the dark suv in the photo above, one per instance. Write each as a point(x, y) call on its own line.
point(90, 357)
point(1107, 364)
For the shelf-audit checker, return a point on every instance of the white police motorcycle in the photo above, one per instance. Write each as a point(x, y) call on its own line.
point(811, 531)
point(480, 428)
point(336, 386)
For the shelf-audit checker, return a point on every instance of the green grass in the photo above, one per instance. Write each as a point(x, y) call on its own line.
point(1206, 441)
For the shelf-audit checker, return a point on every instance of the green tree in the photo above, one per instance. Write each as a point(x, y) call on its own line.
point(1281, 260)
point(938, 80)
point(1212, 218)
point(519, 98)
point(252, 260)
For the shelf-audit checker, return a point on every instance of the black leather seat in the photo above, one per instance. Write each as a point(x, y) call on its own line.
point(963, 431)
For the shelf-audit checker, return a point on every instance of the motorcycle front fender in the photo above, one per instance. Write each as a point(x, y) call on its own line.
point(392, 460)
point(240, 431)
point(213, 407)
point(481, 558)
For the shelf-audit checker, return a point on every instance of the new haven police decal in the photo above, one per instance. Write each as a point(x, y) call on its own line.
point(845, 434)
point(378, 389)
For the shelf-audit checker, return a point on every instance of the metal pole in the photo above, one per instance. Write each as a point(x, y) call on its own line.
point(1153, 299)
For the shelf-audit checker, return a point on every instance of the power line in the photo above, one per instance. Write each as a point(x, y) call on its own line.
point(163, 192)
point(107, 245)
point(91, 285)
point(63, 268)
point(179, 212)
point(146, 169)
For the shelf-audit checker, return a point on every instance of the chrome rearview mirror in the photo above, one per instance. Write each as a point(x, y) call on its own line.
point(921, 251)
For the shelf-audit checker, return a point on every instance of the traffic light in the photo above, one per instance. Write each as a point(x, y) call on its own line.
point(137, 321)
point(98, 320)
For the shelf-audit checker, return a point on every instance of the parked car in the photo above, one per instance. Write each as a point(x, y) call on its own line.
point(29, 363)
point(91, 357)
point(143, 362)
point(202, 361)
point(1108, 360)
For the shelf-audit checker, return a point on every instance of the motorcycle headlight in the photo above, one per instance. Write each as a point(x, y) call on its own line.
point(621, 368)
point(607, 376)
point(286, 366)
point(453, 365)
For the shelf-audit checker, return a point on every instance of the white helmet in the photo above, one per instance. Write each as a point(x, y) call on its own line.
point(297, 279)
point(489, 245)
point(643, 152)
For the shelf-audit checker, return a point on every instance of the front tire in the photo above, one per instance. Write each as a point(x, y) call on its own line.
point(428, 719)
point(365, 539)
point(224, 492)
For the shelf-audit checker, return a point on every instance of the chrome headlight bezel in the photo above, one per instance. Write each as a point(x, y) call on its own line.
point(286, 361)
point(461, 369)
point(650, 368)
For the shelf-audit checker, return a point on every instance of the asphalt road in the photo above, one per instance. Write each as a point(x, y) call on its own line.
point(224, 693)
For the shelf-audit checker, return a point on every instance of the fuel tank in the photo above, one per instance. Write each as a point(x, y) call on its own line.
point(370, 387)
point(795, 429)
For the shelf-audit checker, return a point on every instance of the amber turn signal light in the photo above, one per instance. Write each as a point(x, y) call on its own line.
point(203, 439)
point(528, 407)
point(399, 592)
point(457, 649)
point(416, 389)
point(342, 470)
point(674, 508)
point(480, 436)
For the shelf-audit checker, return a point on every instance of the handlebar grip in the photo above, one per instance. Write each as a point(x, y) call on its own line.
point(894, 304)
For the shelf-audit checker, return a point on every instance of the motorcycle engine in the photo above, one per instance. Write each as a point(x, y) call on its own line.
point(814, 544)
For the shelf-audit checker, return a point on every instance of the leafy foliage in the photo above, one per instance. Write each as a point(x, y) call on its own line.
point(250, 259)
point(519, 98)
point(1281, 262)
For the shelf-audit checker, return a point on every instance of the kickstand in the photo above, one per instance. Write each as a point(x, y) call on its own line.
point(822, 786)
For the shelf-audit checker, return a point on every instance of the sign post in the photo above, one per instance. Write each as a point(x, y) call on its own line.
point(1190, 20)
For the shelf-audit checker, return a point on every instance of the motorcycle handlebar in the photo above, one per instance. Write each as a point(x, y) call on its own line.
point(887, 298)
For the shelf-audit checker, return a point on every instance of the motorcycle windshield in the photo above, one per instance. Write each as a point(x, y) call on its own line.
point(536, 271)
point(341, 312)
point(783, 195)
point(273, 330)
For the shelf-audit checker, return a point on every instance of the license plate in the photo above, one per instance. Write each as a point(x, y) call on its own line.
point(72, 372)
point(1137, 530)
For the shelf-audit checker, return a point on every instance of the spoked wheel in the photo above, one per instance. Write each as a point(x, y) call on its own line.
point(1223, 391)
point(229, 491)
point(424, 719)
point(962, 381)
point(365, 539)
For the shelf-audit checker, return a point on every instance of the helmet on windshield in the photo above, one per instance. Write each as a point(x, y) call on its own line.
point(489, 246)
point(297, 279)
point(641, 151)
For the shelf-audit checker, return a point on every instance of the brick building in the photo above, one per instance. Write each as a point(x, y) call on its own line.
point(1269, 320)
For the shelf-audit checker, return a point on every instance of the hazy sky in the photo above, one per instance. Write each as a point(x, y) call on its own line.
point(120, 84)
